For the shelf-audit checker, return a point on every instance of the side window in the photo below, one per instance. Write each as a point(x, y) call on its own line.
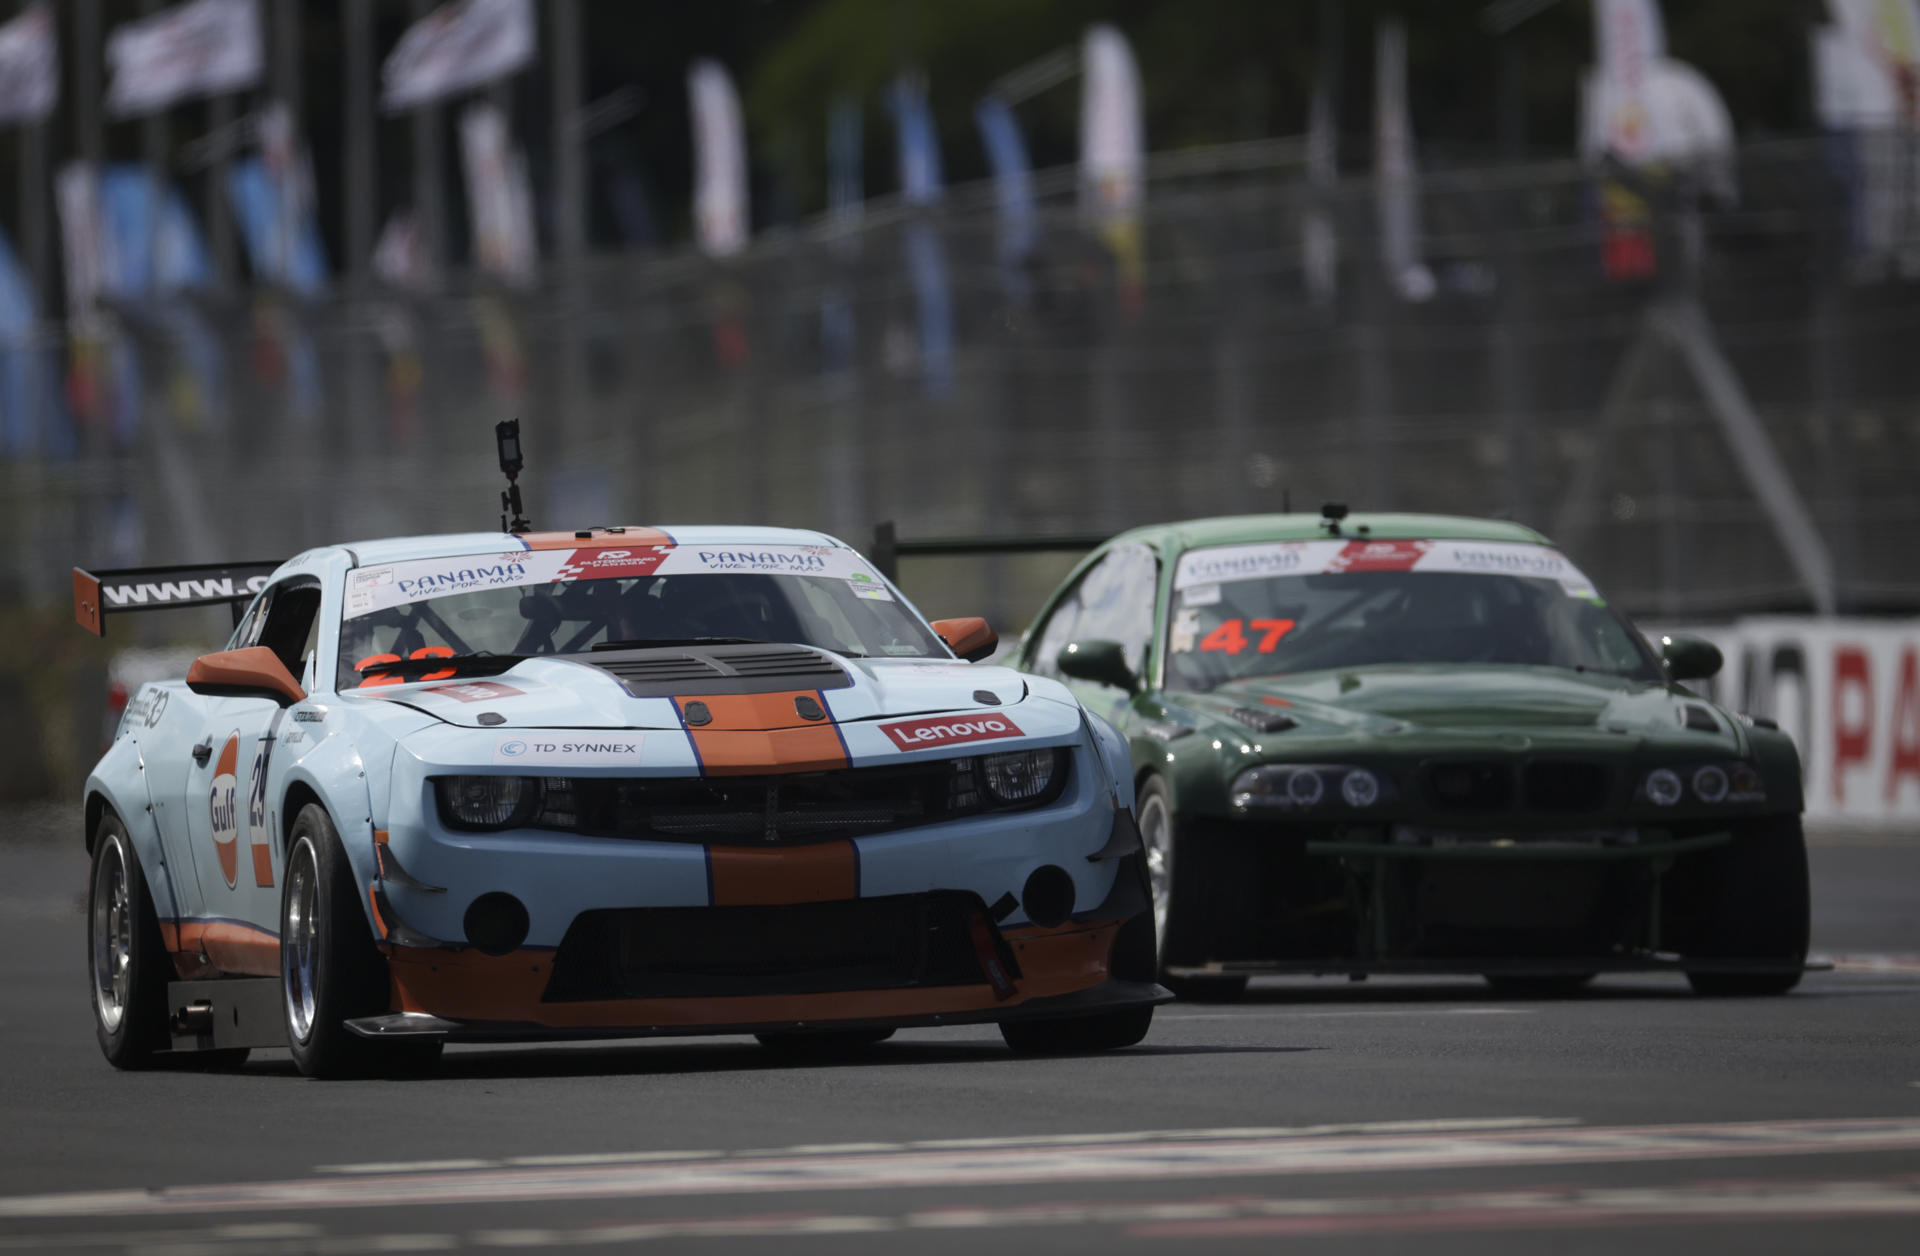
point(1113, 600)
point(291, 625)
point(247, 631)
point(1053, 635)
point(1116, 601)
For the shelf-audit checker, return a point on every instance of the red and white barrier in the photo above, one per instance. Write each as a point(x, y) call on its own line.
point(1846, 690)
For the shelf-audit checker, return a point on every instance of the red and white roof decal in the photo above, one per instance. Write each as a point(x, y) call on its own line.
point(371, 589)
point(1225, 564)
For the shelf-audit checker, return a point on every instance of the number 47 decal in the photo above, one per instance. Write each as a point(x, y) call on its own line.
point(1231, 638)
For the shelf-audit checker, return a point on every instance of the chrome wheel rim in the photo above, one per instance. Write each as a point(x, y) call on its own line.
point(112, 921)
point(299, 939)
point(1156, 833)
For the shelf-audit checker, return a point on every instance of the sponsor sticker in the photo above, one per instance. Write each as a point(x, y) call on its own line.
point(607, 564)
point(223, 810)
point(612, 750)
point(946, 730)
point(867, 587)
point(1201, 595)
point(1186, 628)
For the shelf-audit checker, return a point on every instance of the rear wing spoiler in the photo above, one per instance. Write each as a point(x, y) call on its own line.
point(97, 594)
point(888, 549)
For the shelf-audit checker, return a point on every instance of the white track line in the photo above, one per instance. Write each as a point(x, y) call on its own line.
point(1155, 1160)
point(1434, 1126)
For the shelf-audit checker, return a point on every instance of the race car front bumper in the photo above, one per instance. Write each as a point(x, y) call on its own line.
point(928, 959)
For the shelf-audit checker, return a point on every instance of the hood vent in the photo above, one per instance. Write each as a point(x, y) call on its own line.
point(1699, 719)
point(1264, 721)
point(691, 671)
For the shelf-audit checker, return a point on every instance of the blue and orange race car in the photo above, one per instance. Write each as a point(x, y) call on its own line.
point(612, 782)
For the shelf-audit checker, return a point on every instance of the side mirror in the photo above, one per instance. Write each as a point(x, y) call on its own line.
point(1690, 658)
point(1102, 662)
point(970, 638)
point(255, 672)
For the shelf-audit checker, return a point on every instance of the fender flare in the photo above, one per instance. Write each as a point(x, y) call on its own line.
point(142, 833)
point(335, 775)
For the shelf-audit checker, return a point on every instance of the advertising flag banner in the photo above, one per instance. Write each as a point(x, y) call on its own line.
point(720, 204)
point(1319, 246)
point(29, 66)
point(499, 200)
point(76, 194)
point(1113, 151)
point(922, 185)
point(1644, 110)
point(1012, 193)
point(272, 197)
point(1394, 178)
point(202, 48)
point(458, 47)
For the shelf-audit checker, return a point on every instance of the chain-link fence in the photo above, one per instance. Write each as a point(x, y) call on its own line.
point(825, 379)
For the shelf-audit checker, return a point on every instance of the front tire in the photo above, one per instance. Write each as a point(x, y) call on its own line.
point(1754, 904)
point(330, 969)
point(1077, 1035)
point(126, 956)
point(1177, 876)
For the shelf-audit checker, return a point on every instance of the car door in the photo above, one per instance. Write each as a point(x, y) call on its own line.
point(1112, 600)
point(229, 822)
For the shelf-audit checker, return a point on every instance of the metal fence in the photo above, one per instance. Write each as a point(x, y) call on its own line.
point(794, 385)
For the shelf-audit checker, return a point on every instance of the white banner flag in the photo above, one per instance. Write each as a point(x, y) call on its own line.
point(720, 211)
point(198, 49)
point(29, 66)
point(1398, 205)
point(76, 194)
point(1113, 154)
point(498, 197)
point(457, 47)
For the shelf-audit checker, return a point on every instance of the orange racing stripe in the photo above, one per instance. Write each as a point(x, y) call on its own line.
point(746, 876)
point(230, 946)
point(599, 538)
point(761, 733)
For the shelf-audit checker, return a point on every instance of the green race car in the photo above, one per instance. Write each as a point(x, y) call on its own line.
point(1418, 744)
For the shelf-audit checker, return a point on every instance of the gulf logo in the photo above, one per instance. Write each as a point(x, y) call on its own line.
point(224, 811)
point(944, 730)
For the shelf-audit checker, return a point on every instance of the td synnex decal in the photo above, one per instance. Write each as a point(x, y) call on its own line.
point(947, 729)
point(622, 751)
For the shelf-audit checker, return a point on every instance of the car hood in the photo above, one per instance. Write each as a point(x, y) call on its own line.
point(571, 693)
point(1415, 697)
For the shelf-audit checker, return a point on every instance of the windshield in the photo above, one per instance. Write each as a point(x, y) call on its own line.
point(1266, 610)
point(571, 601)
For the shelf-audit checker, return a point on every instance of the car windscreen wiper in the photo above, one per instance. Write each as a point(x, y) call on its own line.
point(480, 663)
point(648, 643)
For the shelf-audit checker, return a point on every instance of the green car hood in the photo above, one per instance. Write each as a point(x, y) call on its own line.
point(1451, 697)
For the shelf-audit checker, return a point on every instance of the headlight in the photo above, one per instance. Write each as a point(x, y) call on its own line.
point(1663, 787)
point(489, 802)
point(1020, 775)
point(1301, 787)
point(1711, 783)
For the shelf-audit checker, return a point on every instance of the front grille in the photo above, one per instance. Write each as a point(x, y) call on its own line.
point(892, 942)
point(1470, 786)
point(793, 809)
point(1565, 787)
point(705, 671)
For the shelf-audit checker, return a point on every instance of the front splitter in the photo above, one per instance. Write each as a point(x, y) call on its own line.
point(1109, 996)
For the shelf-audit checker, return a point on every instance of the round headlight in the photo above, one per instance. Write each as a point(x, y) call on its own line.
point(490, 802)
point(1710, 783)
point(1019, 776)
point(1360, 788)
point(1663, 787)
point(1305, 787)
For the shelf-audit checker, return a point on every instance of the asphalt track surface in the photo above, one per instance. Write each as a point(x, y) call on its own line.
point(1332, 1116)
